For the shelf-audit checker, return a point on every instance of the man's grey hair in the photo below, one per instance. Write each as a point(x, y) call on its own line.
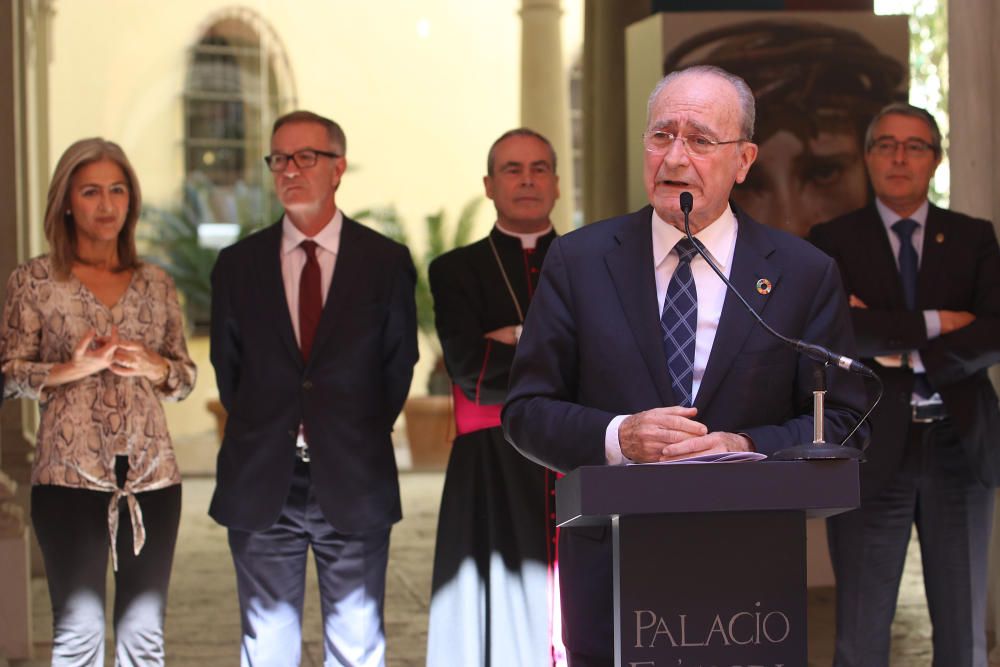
point(338, 140)
point(743, 94)
point(905, 109)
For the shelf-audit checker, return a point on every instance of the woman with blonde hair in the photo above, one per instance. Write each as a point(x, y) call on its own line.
point(96, 337)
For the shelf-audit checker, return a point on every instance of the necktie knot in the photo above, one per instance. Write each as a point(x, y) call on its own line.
point(310, 248)
point(904, 229)
point(685, 250)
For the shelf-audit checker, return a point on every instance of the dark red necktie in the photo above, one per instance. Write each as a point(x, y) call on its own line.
point(310, 299)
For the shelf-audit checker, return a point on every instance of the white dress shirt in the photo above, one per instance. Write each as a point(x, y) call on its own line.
point(719, 240)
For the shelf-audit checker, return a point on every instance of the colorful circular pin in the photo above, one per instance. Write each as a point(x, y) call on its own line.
point(764, 286)
point(939, 238)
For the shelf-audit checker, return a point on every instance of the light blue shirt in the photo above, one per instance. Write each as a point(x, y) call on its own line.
point(932, 319)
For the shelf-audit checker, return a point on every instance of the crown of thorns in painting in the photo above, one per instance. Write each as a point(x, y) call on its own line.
point(806, 76)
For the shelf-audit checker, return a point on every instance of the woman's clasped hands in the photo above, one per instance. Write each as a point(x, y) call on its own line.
point(122, 357)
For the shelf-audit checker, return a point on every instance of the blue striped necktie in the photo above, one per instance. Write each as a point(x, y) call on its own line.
point(679, 322)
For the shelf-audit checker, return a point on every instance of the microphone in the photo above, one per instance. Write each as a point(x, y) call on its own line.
point(818, 449)
point(687, 203)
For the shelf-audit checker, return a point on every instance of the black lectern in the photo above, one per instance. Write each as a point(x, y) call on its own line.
point(709, 559)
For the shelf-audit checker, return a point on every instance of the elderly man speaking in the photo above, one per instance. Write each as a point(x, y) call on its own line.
point(591, 382)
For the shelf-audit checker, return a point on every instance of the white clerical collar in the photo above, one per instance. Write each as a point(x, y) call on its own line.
point(328, 238)
point(528, 239)
point(718, 238)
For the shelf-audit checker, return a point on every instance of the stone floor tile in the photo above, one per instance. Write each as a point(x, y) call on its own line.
point(203, 617)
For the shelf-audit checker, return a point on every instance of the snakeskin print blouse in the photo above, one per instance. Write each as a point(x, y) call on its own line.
point(86, 423)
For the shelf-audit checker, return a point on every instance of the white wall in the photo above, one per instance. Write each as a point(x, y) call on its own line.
point(419, 111)
point(421, 89)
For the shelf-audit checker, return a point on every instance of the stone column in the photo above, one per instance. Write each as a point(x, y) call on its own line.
point(974, 105)
point(24, 52)
point(544, 93)
point(605, 164)
point(15, 602)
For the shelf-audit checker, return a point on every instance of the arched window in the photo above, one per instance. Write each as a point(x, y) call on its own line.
point(233, 93)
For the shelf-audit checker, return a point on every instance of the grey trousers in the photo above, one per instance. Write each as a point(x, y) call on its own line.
point(953, 513)
point(270, 578)
point(72, 529)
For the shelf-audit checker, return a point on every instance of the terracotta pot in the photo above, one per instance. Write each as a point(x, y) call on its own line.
point(430, 430)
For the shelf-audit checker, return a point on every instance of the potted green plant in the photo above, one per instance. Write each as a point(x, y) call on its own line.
point(174, 240)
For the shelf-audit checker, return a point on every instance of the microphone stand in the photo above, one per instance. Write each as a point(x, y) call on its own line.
point(818, 449)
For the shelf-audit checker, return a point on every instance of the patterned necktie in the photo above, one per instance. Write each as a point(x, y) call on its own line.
point(907, 260)
point(680, 323)
point(310, 299)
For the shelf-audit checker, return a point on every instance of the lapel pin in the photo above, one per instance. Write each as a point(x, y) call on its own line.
point(764, 286)
point(939, 238)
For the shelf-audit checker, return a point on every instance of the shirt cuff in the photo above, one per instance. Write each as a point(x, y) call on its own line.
point(612, 448)
point(932, 322)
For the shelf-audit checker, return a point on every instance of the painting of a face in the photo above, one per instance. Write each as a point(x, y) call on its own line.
point(796, 183)
point(817, 78)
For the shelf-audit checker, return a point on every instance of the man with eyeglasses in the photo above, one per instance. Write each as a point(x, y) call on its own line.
point(924, 286)
point(313, 344)
point(632, 351)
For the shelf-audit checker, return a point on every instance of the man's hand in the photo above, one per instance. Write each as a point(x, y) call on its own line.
point(712, 443)
point(891, 360)
point(955, 319)
point(506, 335)
point(854, 302)
point(644, 435)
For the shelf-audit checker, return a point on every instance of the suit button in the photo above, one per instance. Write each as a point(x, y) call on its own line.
point(307, 384)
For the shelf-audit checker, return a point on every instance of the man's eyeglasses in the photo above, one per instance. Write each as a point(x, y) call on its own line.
point(887, 147)
point(658, 141)
point(303, 159)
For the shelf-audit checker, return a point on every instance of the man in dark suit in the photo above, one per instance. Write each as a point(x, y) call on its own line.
point(924, 286)
point(618, 361)
point(313, 343)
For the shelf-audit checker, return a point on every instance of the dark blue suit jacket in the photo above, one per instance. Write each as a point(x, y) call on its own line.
point(959, 270)
point(348, 395)
point(591, 349)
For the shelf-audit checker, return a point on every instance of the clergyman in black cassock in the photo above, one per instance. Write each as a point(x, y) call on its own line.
point(494, 579)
